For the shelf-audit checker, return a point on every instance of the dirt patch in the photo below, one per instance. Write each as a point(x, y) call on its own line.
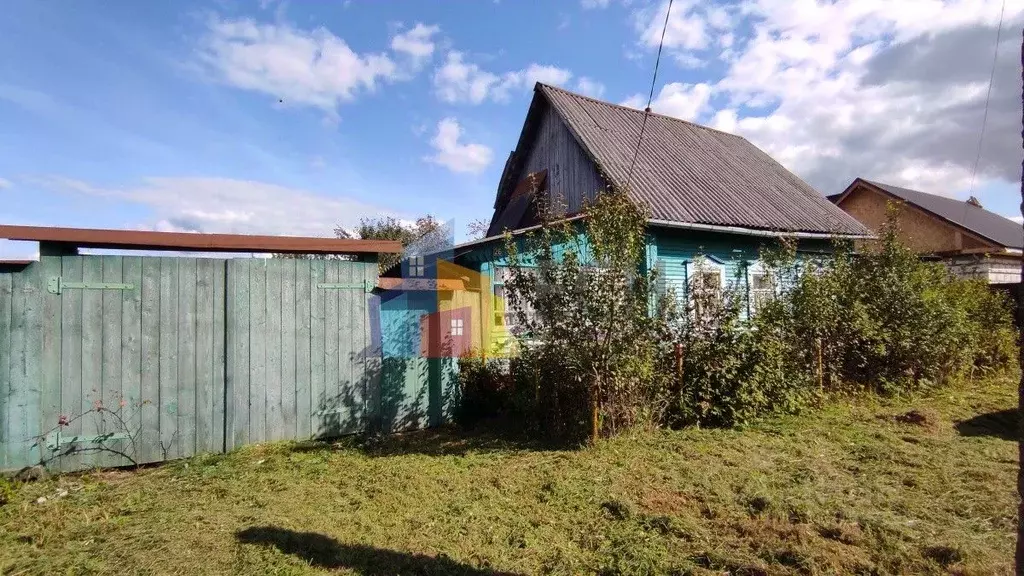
point(665, 502)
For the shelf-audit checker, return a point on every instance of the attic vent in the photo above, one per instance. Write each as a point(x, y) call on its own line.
point(974, 202)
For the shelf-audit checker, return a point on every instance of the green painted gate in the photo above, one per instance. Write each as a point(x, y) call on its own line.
point(185, 355)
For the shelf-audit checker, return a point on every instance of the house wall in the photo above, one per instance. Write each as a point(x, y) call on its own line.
point(921, 231)
point(670, 250)
point(571, 175)
point(992, 269)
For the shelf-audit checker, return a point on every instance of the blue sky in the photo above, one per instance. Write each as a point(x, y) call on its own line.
point(293, 117)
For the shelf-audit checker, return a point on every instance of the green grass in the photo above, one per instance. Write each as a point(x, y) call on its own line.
point(851, 488)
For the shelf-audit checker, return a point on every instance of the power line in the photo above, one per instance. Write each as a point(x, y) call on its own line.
point(988, 98)
point(650, 97)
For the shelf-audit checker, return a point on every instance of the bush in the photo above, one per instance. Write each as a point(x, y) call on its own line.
point(485, 389)
point(734, 371)
point(589, 346)
point(889, 322)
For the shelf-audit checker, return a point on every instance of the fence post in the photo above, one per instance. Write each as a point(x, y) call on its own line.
point(679, 361)
point(821, 371)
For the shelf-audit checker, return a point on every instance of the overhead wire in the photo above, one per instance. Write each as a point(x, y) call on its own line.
point(650, 97)
point(988, 99)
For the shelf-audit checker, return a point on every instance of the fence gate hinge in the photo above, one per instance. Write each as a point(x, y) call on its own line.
point(365, 286)
point(56, 285)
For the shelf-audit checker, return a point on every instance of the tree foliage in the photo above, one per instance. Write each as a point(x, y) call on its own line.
point(391, 228)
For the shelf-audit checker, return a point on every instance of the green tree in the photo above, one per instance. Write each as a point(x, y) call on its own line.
point(588, 342)
point(391, 228)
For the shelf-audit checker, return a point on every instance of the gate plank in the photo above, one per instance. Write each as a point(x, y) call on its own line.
point(50, 368)
point(350, 399)
point(288, 341)
point(332, 389)
point(131, 353)
point(92, 359)
point(168, 359)
point(238, 368)
point(258, 352)
point(317, 354)
point(6, 447)
point(303, 271)
point(275, 420)
point(71, 357)
point(149, 370)
point(220, 358)
point(186, 333)
point(204, 352)
point(110, 391)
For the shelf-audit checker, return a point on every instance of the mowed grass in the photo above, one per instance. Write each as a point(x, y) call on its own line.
point(858, 487)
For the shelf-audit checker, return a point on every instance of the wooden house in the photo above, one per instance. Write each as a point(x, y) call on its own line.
point(708, 192)
point(972, 241)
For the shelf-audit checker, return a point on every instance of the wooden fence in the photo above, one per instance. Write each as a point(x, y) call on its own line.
point(185, 355)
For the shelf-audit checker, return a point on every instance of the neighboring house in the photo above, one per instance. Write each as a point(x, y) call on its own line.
point(708, 192)
point(972, 241)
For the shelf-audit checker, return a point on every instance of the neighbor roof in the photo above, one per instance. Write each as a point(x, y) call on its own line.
point(984, 223)
point(693, 174)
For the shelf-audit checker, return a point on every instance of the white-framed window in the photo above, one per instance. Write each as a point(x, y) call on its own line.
point(705, 279)
point(762, 286)
point(416, 267)
point(457, 326)
point(504, 314)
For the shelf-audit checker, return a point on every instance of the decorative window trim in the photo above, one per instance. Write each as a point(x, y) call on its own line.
point(756, 296)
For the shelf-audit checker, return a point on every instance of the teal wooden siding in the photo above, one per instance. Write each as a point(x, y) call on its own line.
point(674, 252)
point(198, 355)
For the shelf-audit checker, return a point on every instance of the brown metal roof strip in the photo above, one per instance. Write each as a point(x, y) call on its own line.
point(183, 241)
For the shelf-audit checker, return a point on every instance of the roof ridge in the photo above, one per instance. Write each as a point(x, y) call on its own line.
point(634, 110)
point(941, 196)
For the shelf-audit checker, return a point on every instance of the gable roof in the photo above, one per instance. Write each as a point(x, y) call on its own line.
point(685, 173)
point(984, 223)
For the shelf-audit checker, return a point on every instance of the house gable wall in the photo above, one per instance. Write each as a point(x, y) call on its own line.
point(921, 231)
point(572, 176)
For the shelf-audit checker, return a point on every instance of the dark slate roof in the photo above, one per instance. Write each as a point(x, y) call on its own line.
point(996, 228)
point(690, 173)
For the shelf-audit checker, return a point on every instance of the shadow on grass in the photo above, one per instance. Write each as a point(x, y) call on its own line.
point(326, 552)
point(441, 441)
point(1000, 424)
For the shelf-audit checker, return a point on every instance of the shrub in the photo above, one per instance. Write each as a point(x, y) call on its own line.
point(734, 371)
point(485, 389)
point(589, 336)
point(887, 321)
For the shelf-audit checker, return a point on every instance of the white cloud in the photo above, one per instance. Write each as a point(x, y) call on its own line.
point(416, 42)
point(306, 67)
point(685, 101)
point(457, 81)
point(1017, 219)
point(588, 4)
point(834, 90)
point(208, 204)
point(454, 155)
point(5, 183)
point(589, 87)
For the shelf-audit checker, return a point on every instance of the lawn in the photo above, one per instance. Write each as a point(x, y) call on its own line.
point(917, 485)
